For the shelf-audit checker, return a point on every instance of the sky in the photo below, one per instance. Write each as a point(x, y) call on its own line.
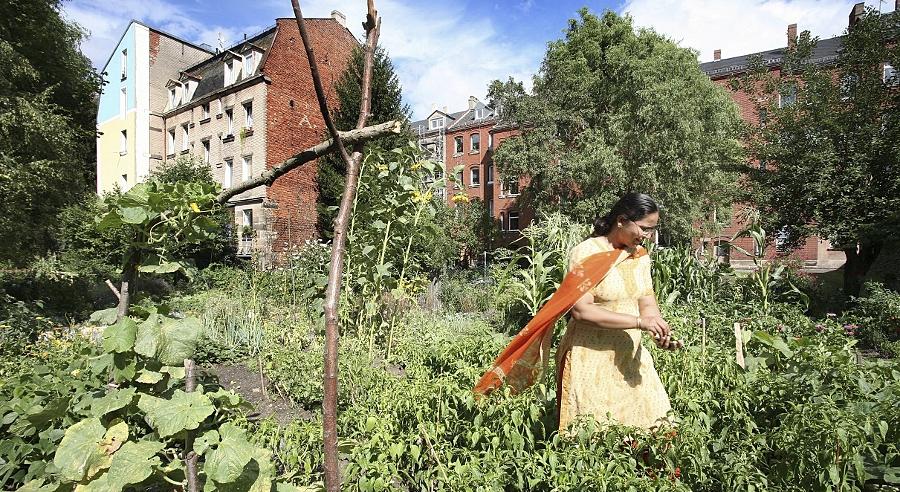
point(445, 51)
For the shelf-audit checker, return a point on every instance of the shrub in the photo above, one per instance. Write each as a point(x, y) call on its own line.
point(876, 319)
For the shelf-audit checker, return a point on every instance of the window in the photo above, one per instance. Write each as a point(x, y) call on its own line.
point(248, 111)
point(247, 217)
point(502, 221)
point(513, 221)
point(889, 76)
point(490, 205)
point(781, 240)
point(787, 96)
point(489, 174)
point(229, 122)
point(229, 72)
point(229, 174)
point(459, 180)
point(763, 117)
point(490, 141)
point(205, 151)
point(246, 167)
point(436, 123)
point(204, 111)
point(173, 97)
point(123, 102)
point(189, 87)
point(123, 181)
point(170, 141)
point(457, 145)
point(510, 187)
point(184, 137)
point(248, 63)
point(474, 176)
point(123, 142)
point(124, 60)
point(476, 142)
point(218, 106)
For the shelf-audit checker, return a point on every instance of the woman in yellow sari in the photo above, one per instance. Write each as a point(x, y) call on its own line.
point(603, 369)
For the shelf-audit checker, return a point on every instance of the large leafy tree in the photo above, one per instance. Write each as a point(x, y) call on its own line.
point(47, 119)
point(831, 141)
point(616, 109)
point(387, 104)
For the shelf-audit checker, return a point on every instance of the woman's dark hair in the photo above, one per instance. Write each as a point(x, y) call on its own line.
point(634, 206)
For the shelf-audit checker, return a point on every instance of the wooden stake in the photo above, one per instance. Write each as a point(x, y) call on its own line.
point(739, 345)
point(190, 457)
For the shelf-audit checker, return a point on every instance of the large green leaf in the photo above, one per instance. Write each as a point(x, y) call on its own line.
point(120, 336)
point(184, 411)
point(132, 464)
point(134, 215)
point(169, 340)
point(104, 316)
point(226, 463)
point(258, 474)
point(112, 401)
point(80, 449)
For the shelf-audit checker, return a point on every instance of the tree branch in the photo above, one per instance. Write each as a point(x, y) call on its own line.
point(356, 136)
point(333, 290)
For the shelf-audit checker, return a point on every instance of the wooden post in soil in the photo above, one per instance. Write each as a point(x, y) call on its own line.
point(190, 457)
point(335, 273)
point(739, 345)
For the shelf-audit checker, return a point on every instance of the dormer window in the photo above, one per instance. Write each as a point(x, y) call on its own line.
point(436, 123)
point(251, 61)
point(479, 113)
point(173, 96)
point(229, 72)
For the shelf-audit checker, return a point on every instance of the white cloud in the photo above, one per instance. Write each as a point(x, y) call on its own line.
point(441, 56)
point(740, 28)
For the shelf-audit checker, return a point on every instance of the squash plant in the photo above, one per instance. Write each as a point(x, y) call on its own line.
point(137, 430)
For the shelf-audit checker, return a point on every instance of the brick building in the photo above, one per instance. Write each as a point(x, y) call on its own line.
point(242, 110)
point(468, 138)
point(815, 251)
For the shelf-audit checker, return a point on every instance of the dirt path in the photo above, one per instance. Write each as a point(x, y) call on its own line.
point(247, 383)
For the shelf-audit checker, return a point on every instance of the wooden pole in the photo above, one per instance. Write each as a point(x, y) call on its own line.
point(739, 345)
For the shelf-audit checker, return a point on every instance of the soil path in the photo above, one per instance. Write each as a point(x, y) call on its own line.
point(247, 383)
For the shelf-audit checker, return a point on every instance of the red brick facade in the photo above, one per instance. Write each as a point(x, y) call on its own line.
point(293, 120)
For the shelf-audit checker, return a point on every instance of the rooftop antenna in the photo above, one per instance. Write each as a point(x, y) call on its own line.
point(221, 41)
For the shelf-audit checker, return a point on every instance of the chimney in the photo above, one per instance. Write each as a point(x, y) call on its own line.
point(857, 12)
point(792, 35)
point(472, 102)
point(717, 55)
point(339, 17)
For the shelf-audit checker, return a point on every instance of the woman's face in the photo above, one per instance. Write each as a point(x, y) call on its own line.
point(633, 232)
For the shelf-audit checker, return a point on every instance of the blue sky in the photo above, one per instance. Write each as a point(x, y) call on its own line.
point(445, 51)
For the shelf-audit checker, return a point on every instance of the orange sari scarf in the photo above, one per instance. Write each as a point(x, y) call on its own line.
point(524, 359)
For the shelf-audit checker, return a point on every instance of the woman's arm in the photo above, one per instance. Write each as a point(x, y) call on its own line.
point(586, 310)
point(651, 315)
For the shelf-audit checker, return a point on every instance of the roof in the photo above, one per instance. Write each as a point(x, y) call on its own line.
point(458, 120)
point(825, 51)
point(421, 126)
point(164, 33)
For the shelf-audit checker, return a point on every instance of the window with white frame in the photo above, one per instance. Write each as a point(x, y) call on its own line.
point(184, 136)
point(490, 140)
point(228, 178)
point(123, 102)
point(248, 63)
point(124, 62)
point(205, 151)
point(457, 145)
point(513, 221)
point(229, 72)
point(787, 96)
point(436, 123)
point(502, 221)
point(204, 111)
point(889, 75)
point(170, 141)
point(247, 217)
point(248, 112)
point(474, 176)
point(479, 114)
point(219, 106)
point(490, 207)
point(475, 143)
point(489, 174)
point(247, 167)
point(229, 122)
point(123, 142)
point(173, 97)
point(782, 236)
point(510, 187)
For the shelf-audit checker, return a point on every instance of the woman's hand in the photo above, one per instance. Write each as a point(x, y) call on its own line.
point(660, 331)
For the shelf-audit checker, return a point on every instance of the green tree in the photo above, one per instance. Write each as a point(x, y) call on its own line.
point(47, 137)
point(832, 140)
point(616, 109)
point(387, 104)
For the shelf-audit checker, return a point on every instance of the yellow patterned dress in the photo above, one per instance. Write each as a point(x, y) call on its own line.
point(608, 373)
